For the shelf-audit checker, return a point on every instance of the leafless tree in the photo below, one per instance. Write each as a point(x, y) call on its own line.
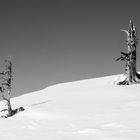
point(6, 84)
point(132, 77)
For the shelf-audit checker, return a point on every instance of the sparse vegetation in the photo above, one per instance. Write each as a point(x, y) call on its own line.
point(132, 77)
point(6, 88)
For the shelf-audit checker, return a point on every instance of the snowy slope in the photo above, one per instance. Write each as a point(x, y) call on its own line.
point(94, 109)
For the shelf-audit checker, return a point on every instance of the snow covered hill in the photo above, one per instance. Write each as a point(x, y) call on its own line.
point(93, 109)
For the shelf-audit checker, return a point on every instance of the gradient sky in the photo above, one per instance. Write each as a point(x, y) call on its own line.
point(55, 41)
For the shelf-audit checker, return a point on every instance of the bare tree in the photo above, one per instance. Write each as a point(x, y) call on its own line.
point(129, 57)
point(6, 88)
point(6, 84)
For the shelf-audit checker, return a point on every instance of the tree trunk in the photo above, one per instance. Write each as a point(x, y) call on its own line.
point(9, 105)
point(131, 67)
point(131, 74)
point(9, 108)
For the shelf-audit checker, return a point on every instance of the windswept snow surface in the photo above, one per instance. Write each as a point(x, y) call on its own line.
point(94, 109)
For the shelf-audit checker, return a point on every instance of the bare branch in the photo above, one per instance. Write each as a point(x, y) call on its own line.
point(125, 31)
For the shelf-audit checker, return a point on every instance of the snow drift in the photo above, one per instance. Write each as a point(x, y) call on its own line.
point(88, 109)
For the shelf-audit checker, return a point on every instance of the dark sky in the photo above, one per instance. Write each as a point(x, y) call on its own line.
point(61, 41)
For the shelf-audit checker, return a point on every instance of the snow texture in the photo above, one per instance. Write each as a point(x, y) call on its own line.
point(93, 109)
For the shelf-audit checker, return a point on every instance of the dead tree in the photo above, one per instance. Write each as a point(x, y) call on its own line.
point(6, 85)
point(6, 88)
point(131, 75)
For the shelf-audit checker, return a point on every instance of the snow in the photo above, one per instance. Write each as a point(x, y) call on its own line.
point(93, 109)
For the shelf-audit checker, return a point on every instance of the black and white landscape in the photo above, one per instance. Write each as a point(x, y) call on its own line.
point(88, 109)
point(61, 81)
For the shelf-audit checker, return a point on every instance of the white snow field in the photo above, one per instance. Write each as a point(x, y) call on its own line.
point(93, 109)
